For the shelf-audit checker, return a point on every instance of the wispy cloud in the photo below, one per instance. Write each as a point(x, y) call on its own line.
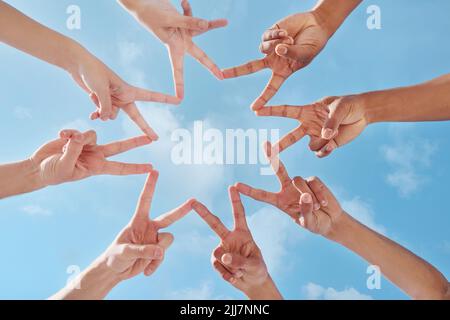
point(362, 212)
point(407, 159)
point(282, 231)
point(204, 292)
point(36, 210)
point(314, 291)
point(22, 113)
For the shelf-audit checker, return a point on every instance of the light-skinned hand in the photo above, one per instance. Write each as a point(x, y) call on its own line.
point(237, 258)
point(176, 31)
point(75, 156)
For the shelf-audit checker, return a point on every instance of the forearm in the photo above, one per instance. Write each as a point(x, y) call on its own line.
point(429, 101)
point(333, 13)
point(93, 284)
point(25, 34)
point(267, 291)
point(18, 178)
point(413, 275)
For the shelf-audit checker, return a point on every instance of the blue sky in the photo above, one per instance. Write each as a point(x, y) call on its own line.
point(394, 177)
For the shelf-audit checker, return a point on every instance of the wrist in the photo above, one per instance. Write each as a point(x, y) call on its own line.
point(332, 14)
point(341, 229)
point(94, 283)
point(266, 291)
point(374, 106)
point(74, 57)
point(32, 171)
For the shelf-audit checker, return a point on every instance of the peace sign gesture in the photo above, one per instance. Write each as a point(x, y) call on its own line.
point(75, 156)
point(311, 117)
point(289, 45)
point(287, 199)
point(176, 31)
point(144, 231)
point(238, 259)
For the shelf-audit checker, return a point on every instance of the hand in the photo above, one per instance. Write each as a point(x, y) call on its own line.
point(345, 121)
point(238, 259)
point(176, 31)
point(75, 156)
point(311, 120)
point(290, 45)
point(140, 247)
point(308, 202)
point(110, 93)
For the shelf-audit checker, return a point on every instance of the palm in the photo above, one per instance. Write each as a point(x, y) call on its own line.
point(247, 268)
point(109, 92)
point(241, 243)
point(58, 162)
point(143, 230)
point(164, 21)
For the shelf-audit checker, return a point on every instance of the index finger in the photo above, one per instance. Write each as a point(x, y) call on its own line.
point(173, 216)
point(285, 111)
point(203, 58)
point(245, 69)
point(177, 62)
point(269, 91)
point(277, 165)
point(240, 221)
point(152, 96)
point(146, 197)
point(213, 221)
point(133, 112)
point(290, 139)
point(119, 147)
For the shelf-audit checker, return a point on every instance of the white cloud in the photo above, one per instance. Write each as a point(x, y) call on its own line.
point(36, 210)
point(407, 158)
point(362, 212)
point(129, 52)
point(204, 292)
point(281, 229)
point(316, 292)
point(22, 113)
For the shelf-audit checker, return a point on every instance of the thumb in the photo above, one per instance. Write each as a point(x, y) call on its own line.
point(338, 112)
point(191, 23)
point(74, 147)
point(165, 240)
point(300, 53)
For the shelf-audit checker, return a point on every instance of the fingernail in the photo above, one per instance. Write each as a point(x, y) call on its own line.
point(327, 133)
point(239, 274)
point(282, 50)
point(203, 24)
point(306, 198)
point(324, 203)
point(158, 253)
point(282, 33)
point(316, 207)
point(227, 259)
point(328, 148)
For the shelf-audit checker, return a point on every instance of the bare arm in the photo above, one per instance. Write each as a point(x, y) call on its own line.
point(429, 101)
point(27, 35)
point(333, 13)
point(415, 276)
point(18, 178)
